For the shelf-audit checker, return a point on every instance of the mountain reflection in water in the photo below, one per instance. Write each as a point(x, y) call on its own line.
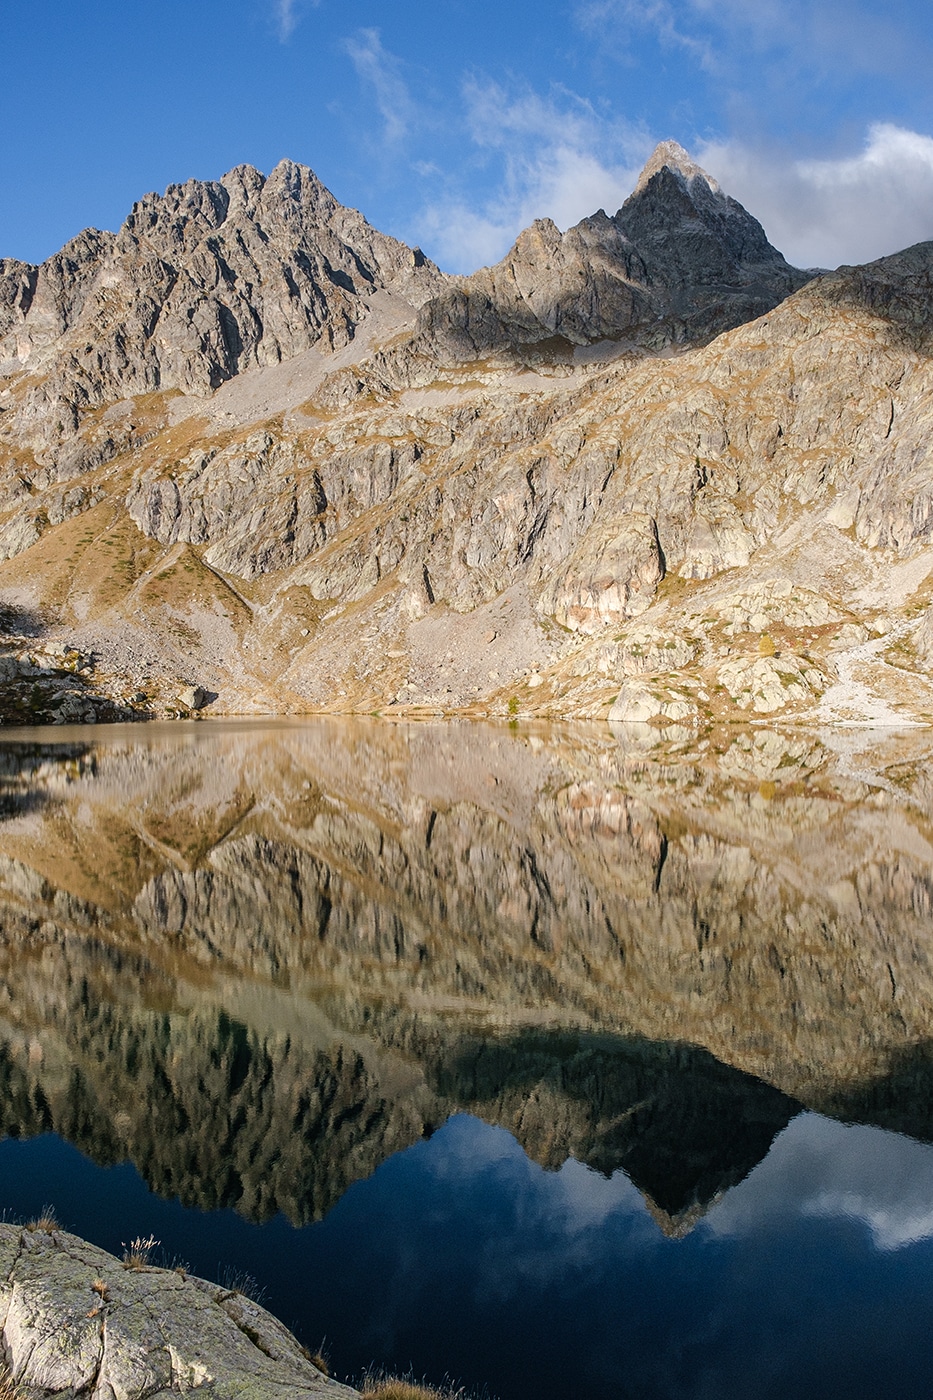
point(259, 961)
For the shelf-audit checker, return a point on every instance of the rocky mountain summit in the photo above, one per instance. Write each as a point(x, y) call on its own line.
point(201, 283)
point(678, 263)
point(257, 457)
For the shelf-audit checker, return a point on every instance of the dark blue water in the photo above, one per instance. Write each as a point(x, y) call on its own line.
point(811, 1278)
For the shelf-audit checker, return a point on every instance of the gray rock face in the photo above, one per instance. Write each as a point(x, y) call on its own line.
point(680, 261)
point(199, 284)
point(76, 1321)
point(613, 574)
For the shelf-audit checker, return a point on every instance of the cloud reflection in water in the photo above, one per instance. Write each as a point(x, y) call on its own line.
point(821, 1169)
point(810, 1278)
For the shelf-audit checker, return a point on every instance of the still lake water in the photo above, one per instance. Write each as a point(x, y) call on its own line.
point(559, 1061)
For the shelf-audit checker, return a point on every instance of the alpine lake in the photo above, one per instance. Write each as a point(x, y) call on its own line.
point(557, 1061)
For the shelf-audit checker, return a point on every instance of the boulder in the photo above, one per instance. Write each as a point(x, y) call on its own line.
point(78, 1320)
point(193, 697)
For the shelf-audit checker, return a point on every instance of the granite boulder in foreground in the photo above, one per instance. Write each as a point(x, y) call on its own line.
point(74, 1320)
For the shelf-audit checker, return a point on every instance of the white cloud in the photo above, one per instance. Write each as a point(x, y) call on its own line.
point(286, 17)
point(558, 159)
point(839, 40)
point(380, 70)
point(619, 20)
point(824, 212)
point(287, 14)
point(461, 238)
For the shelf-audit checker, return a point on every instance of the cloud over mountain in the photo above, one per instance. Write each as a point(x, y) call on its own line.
point(849, 209)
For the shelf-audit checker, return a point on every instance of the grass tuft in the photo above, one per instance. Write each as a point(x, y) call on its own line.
point(137, 1254)
point(47, 1223)
point(402, 1390)
point(376, 1385)
point(238, 1281)
point(318, 1359)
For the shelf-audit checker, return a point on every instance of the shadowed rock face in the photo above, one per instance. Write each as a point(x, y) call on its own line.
point(259, 963)
point(680, 261)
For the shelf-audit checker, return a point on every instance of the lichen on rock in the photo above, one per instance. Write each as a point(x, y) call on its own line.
point(75, 1320)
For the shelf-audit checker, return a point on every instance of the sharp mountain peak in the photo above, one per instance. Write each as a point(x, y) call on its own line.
point(679, 263)
point(671, 155)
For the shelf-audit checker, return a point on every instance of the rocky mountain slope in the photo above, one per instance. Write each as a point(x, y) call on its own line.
point(257, 457)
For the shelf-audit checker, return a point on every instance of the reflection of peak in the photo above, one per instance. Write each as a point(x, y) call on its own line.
point(678, 1227)
point(683, 1126)
point(224, 1115)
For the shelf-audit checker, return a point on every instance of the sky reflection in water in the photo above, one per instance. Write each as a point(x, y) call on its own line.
point(810, 1278)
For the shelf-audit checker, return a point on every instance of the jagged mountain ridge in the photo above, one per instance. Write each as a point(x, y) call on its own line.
point(216, 277)
point(201, 283)
point(498, 511)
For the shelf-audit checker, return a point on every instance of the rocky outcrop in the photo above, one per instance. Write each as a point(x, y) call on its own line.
point(75, 1320)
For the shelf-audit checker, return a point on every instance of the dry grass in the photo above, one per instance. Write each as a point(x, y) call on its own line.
point(381, 1387)
point(137, 1254)
point(317, 1359)
point(402, 1390)
point(9, 1390)
point(46, 1223)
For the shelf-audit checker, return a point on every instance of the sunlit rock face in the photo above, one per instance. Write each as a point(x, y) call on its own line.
point(200, 283)
point(255, 452)
point(259, 962)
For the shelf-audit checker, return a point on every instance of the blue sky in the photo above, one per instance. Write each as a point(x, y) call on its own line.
point(453, 124)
